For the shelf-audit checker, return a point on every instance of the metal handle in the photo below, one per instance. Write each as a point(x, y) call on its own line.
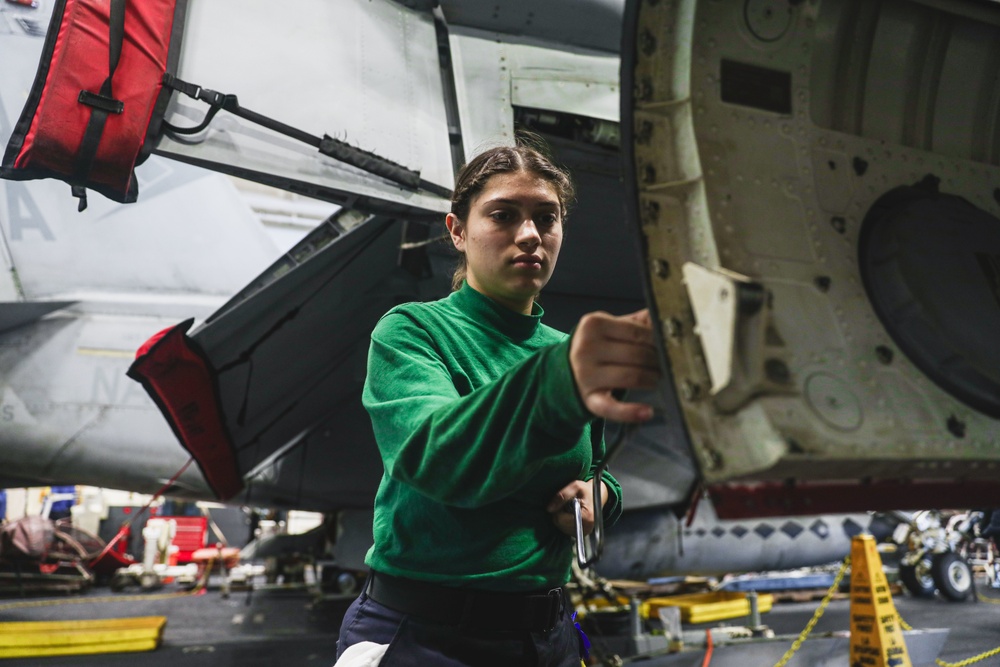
point(594, 543)
point(581, 547)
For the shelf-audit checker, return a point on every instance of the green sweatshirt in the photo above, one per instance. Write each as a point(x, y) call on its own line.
point(479, 425)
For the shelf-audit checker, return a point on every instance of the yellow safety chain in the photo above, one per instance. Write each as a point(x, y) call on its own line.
point(961, 663)
point(968, 661)
point(114, 598)
point(816, 615)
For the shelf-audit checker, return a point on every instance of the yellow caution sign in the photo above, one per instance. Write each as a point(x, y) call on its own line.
point(876, 638)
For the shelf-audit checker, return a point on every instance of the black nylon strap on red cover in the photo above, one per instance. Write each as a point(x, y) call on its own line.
point(99, 56)
point(178, 377)
point(102, 104)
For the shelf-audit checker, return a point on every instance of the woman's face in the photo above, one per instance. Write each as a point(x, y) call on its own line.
point(511, 238)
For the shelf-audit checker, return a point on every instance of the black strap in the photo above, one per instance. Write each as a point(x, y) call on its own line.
point(327, 145)
point(98, 101)
point(215, 101)
point(102, 103)
point(444, 605)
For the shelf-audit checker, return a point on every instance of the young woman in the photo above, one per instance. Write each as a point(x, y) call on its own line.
point(488, 423)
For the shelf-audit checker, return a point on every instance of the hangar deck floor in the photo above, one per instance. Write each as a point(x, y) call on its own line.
point(292, 628)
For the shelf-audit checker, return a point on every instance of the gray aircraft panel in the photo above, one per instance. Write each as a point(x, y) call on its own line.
point(211, 248)
point(370, 78)
point(14, 314)
point(584, 24)
point(370, 75)
point(69, 414)
point(488, 66)
point(289, 360)
point(481, 73)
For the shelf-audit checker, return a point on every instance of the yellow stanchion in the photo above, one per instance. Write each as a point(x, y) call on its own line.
point(876, 635)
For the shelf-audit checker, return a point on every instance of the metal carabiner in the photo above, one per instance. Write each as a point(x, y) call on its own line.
point(594, 543)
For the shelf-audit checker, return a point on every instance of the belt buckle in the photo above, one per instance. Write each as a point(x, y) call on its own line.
point(555, 607)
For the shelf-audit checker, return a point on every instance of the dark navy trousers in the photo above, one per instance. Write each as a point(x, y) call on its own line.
point(412, 642)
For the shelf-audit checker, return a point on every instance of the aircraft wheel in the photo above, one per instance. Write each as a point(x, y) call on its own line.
point(952, 575)
point(918, 578)
point(120, 582)
point(148, 580)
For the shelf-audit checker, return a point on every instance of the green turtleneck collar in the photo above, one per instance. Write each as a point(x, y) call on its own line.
point(505, 320)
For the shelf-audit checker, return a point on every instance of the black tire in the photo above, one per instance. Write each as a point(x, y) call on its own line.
point(120, 582)
point(952, 576)
point(149, 581)
point(918, 578)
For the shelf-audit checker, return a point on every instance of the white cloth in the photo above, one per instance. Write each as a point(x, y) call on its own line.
point(362, 654)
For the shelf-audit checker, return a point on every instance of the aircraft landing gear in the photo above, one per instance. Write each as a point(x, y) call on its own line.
point(935, 559)
point(918, 578)
point(952, 576)
point(126, 577)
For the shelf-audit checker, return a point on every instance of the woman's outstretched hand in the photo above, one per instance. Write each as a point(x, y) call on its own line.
point(611, 352)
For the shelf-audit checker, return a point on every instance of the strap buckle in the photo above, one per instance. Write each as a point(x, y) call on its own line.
point(556, 599)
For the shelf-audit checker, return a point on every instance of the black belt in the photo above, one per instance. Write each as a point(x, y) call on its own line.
point(486, 610)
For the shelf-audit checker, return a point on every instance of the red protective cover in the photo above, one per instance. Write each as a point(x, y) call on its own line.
point(47, 138)
point(182, 383)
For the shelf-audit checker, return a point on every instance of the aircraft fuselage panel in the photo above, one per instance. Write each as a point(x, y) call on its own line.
point(819, 326)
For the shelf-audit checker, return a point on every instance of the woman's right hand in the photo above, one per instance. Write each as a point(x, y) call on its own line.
point(611, 352)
